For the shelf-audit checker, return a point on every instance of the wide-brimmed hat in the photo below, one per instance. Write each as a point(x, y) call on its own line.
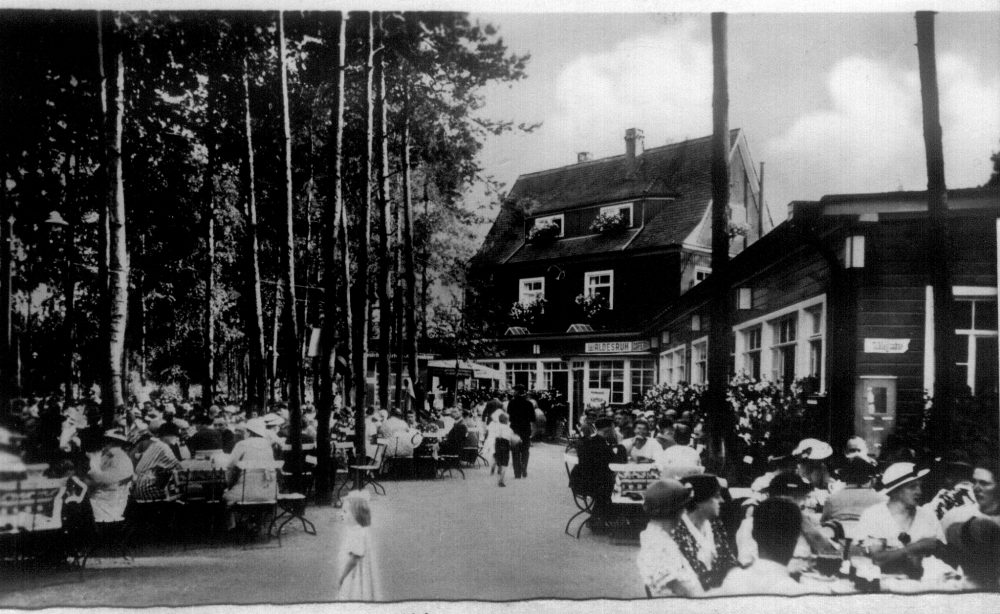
point(116, 434)
point(813, 449)
point(703, 486)
point(899, 474)
point(856, 470)
point(788, 484)
point(666, 497)
point(273, 420)
point(257, 426)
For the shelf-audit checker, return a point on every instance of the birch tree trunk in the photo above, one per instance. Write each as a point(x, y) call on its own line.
point(208, 202)
point(385, 311)
point(938, 239)
point(293, 356)
point(718, 342)
point(253, 304)
point(331, 222)
point(112, 393)
point(409, 274)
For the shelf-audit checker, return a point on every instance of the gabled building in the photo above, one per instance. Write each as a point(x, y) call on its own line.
point(581, 257)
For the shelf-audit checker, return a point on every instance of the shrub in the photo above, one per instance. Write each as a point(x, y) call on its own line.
point(528, 314)
point(682, 397)
point(592, 306)
point(543, 232)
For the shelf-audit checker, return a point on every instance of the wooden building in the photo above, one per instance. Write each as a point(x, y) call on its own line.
point(840, 292)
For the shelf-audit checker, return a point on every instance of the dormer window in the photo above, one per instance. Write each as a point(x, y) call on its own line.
point(623, 210)
point(530, 290)
point(556, 220)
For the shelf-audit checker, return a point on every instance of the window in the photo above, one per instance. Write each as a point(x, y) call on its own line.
point(522, 373)
point(531, 290)
point(751, 352)
point(608, 375)
point(785, 334)
point(814, 317)
point(976, 342)
point(558, 220)
point(601, 283)
point(548, 368)
point(699, 362)
point(642, 378)
point(672, 366)
point(623, 210)
point(701, 273)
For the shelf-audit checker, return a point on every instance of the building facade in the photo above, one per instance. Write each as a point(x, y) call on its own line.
point(580, 258)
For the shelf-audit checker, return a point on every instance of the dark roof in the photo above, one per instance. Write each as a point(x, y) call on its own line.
point(679, 171)
point(906, 195)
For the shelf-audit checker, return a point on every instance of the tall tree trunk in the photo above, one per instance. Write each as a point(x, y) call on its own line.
point(385, 311)
point(7, 362)
point(208, 204)
point(143, 328)
point(345, 297)
point(718, 342)
point(103, 232)
point(409, 274)
point(279, 297)
point(292, 351)
point(253, 304)
point(69, 275)
point(113, 389)
point(397, 303)
point(938, 239)
point(423, 265)
point(331, 222)
point(359, 290)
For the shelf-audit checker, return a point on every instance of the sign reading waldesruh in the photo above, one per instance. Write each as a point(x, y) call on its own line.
point(614, 347)
point(886, 346)
point(598, 397)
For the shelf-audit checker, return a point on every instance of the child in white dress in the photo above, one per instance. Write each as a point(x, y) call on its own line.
point(357, 567)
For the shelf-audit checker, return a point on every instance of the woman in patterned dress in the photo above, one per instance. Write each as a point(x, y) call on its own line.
point(700, 534)
point(663, 568)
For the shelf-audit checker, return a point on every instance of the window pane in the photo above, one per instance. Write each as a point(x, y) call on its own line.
point(963, 314)
point(986, 315)
point(986, 365)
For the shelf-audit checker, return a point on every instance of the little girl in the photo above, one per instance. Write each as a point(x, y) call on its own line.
point(357, 568)
point(502, 436)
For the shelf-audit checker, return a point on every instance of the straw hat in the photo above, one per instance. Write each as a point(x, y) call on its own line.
point(273, 420)
point(899, 474)
point(666, 498)
point(257, 426)
point(116, 434)
point(813, 449)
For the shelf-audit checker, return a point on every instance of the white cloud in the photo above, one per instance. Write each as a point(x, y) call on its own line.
point(661, 83)
point(871, 139)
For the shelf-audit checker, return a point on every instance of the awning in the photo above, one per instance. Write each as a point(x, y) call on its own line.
point(466, 368)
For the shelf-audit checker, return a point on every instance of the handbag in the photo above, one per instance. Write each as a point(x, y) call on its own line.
point(515, 440)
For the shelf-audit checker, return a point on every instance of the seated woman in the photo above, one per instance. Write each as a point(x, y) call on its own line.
point(899, 533)
point(252, 486)
point(701, 536)
point(845, 506)
point(154, 468)
point(663, 568)
point(108, 478)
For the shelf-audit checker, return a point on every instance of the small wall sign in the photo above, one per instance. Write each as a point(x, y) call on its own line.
point(886, 346)
point(608, 347)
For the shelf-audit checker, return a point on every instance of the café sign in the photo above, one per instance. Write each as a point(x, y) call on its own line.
point(611, 347)
point(886, 346)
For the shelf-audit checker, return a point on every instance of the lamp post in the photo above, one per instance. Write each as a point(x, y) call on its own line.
point(7, 360)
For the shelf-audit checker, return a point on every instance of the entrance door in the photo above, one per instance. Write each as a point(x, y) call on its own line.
point(577, 398)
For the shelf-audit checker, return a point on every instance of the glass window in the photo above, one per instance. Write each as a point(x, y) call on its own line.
point(783, 350)
point(699, 362)
point(976, 343)
point(551, 219)
point(608, 375)
point(522, 373)
point(548, 368)
point(751, 355)
point(531, 289)
point(701, 273)
point(672, 366)
point(623, 210)
point(601, 283)
point(643, 379)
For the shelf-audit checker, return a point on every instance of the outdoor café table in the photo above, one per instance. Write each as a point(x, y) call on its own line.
point(887, 584)
point(631, 482)
point(32, 506)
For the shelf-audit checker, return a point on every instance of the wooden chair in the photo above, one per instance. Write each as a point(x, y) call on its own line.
point(256, 503)
point(292, 502)
point(368, 473)
point(201, 485)
point(343, 455)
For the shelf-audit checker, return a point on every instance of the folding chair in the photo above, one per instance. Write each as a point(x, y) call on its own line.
point(261, 498)
point(292, 502)
point(368, 473)
point(447, 462)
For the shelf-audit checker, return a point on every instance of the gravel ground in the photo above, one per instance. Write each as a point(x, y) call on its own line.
point(443, 539)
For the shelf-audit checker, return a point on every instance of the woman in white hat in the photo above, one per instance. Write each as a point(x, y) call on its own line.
point(255, 449)
point(899, 533)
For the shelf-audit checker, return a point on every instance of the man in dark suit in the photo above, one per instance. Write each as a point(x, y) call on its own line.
point(522, 413)
point(454, 441)
point(592, 476)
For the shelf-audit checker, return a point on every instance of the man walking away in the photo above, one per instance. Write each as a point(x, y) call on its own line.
point(522, 413)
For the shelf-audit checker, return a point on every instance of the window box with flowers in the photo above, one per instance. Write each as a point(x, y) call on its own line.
point(544, 232)
point(737, 229)
point(592, 306)
point(608, 223)
point(528, 314)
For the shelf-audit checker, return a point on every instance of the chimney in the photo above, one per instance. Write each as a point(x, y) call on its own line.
point(583, 156)
point(633, 138)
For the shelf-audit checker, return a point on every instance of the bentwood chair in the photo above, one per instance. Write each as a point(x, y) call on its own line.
point(368, 473)
point(584, 502)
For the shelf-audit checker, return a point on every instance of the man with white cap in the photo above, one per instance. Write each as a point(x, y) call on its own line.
point(899, 533)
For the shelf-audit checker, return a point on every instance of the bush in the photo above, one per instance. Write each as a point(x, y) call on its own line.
point(592, 306)
point(528, 314)
point(543, 232)
point(608, 222)
point(682, 397)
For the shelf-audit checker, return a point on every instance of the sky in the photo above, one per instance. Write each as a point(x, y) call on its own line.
point(829, 102)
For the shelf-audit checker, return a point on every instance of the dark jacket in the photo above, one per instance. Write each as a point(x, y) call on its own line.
point(522, 414)
point(592, 476)
point(205, 439)
point(454, 441)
